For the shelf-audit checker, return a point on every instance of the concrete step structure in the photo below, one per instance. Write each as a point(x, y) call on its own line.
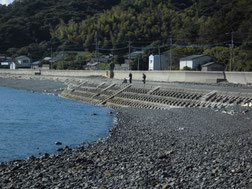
point(152, 97)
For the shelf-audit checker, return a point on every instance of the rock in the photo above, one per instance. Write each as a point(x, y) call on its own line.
point(45, 156)
point(166, 186)
point(58, 143)
point(60, 149)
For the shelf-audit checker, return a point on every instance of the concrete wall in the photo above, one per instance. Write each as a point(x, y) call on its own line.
point(166, 76)
point(73, 73)
point(17, 72)
point(239, 77)
point(59, 73)
point(171, 76)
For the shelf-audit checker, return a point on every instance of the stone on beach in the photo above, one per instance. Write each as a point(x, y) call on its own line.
point(176, 148)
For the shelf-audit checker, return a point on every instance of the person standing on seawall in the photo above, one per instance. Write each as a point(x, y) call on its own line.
point(144, 78)
point(130, 77)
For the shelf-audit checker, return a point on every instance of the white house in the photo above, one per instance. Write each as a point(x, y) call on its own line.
point(194, 61)
point(158, 62)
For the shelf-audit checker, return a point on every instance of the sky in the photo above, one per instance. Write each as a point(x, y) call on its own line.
point(6, 2)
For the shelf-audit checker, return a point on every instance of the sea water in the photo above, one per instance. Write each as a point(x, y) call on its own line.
point(31, 123)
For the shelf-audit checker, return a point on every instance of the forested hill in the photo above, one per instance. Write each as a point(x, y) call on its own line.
point(29, 21)
point(187, 21)
point(112, 24)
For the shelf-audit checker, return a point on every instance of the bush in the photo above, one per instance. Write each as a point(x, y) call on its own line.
point(68, 65)
point(104, 66)
point(186, 68)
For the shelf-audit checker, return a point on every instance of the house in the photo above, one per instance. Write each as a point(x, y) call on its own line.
point(121, 67)
point(2, 58)
point(194, 62)
point(35, 65)
point(99, 60)
point(49, 59)
point(5, 61)
point(20, 62)
point(129, 57)
point(23, 62)
point(46, 65)
point(92, 66)
point(212, 66)
point(4, 64)
point(133, 55)
point(158, 62)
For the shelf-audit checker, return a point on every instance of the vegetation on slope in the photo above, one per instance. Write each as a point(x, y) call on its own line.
point(207, 25)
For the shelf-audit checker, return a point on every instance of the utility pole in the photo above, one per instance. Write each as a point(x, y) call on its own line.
point(96, 46)
point(232, 46)
point(129, 54)
point(138, 65)
point(51, 57)
point(63, 59)
point(171, 53)
point(160, 67)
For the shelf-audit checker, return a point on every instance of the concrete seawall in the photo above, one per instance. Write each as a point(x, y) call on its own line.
point(239, 77)
point(165, 76)
point(152, 97)
point(174, 76)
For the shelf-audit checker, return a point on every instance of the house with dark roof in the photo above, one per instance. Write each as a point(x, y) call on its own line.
point(194, 61)
point(5, 61)
point(212, 66)
point(35, 65)
point(129, 57)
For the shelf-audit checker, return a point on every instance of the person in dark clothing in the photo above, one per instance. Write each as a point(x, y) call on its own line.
point(144, 78)
point(130, 77)
point(125, 80)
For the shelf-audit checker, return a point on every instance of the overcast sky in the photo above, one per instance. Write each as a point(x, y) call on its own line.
point(6, 2)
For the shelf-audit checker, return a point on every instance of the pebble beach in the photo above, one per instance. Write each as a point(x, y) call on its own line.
point(176, 148)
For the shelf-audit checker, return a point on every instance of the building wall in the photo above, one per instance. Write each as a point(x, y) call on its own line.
point(154, 62)
point(194, 63)
point(12, 66)
point(151, 62)
point(213, 67)
point(184, 63)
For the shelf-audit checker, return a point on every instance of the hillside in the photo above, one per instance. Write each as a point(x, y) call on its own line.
point(204, 21)
point(30, 21)
point(207, 25)
point(189, 26)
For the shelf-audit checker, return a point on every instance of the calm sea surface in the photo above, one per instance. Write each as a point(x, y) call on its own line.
point(31, 123)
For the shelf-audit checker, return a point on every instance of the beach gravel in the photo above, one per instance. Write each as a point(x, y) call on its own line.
point(176, 148)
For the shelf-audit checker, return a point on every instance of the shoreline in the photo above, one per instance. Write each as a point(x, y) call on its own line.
point(34, 85)
point(182, 147)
